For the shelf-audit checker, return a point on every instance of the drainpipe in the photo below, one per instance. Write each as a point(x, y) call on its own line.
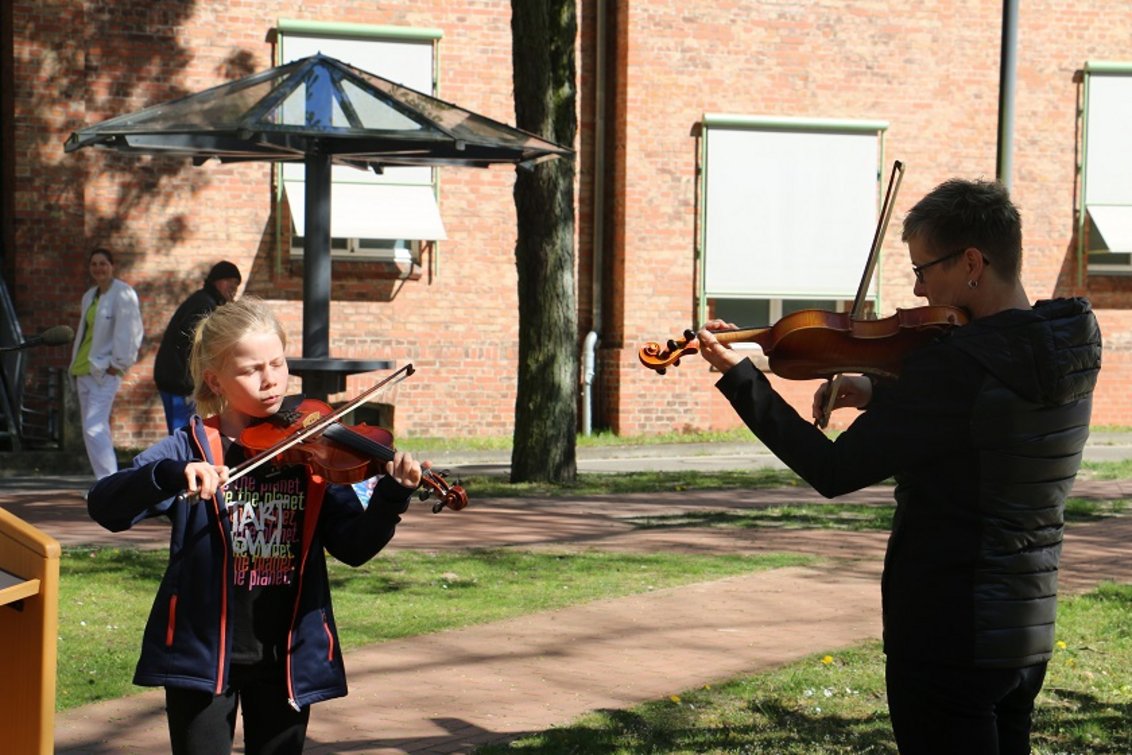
point(1008, 74)
point(588, 352)
point(589, 347)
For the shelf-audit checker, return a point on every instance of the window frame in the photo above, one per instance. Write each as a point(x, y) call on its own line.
point(401, 252)
point(772, 123)
point(1084, 218)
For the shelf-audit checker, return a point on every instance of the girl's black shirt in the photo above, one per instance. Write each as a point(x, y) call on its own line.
point(265, 516)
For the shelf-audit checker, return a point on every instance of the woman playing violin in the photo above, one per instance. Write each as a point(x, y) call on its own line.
point(243, 616)
point(983, 431)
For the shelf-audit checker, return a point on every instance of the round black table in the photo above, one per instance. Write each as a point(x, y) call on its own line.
point(322, 376)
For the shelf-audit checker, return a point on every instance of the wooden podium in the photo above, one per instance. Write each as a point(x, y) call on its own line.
point(29, 618)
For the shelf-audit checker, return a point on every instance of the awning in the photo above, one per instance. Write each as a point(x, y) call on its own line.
point(1114, 224)
point(374, 211)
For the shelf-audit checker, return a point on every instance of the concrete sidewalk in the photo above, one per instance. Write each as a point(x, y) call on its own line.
point(451, 691)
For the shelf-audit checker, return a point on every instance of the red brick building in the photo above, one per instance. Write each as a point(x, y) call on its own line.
point(716, 144)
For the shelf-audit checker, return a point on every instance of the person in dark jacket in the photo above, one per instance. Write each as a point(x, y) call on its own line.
point(243, 617)
point(171, 365)
point(983, 431)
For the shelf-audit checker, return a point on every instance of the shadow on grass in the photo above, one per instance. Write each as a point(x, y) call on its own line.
point(120, 563)
point(664, 727)
point(840, 516)
point(1066, 722)
point(855, 517)
point(1070, 721)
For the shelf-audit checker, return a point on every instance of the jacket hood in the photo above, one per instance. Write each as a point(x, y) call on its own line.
point(1050, 354)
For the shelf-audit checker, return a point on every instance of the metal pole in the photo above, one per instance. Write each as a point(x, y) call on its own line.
point(1008, 73)
point(316, 258)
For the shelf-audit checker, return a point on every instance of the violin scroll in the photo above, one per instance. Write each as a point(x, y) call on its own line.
point(653, 356)
point(448, 496)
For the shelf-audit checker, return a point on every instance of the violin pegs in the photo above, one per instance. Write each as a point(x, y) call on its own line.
point(661, 370)
point(676, 363)
point(672, 345)
point(689, 334)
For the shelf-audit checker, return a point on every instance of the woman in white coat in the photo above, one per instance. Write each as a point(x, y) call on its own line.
point(109, 336)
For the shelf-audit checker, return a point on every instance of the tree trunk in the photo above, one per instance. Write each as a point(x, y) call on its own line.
point(546, 405)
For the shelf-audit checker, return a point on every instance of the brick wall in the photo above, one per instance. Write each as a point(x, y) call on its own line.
point(167, 221)
point(929, 69)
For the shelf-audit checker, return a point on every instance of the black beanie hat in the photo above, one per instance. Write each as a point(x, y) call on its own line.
point(222, 270)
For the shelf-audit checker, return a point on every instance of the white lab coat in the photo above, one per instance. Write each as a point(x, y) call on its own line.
point(118, 330)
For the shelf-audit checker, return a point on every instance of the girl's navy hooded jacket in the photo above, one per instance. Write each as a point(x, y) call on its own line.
point(188, 637)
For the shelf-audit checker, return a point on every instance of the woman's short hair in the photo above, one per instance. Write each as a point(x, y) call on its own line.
point(215, 337)
point(959, 214)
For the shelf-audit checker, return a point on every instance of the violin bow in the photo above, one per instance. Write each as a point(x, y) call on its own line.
point(315, 428)
point(866, 278)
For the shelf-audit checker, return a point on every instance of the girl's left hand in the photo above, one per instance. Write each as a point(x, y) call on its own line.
point(404, 470)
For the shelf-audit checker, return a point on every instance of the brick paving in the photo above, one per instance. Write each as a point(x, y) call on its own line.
point(451, 691)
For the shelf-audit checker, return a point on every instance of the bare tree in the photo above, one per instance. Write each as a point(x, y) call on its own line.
point(546, 410)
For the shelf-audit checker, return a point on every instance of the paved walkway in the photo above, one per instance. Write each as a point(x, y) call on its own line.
point(451, 691)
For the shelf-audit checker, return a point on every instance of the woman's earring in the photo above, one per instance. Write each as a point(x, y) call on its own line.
point(972, 284)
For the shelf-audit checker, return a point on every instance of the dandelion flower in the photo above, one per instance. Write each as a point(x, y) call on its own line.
point(674, 698)
point(827, 659)
point(1061, 645)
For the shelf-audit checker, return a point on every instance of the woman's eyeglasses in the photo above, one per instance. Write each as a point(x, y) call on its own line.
point(919, 269)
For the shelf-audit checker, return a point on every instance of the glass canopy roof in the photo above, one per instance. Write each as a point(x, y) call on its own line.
point(317, 105)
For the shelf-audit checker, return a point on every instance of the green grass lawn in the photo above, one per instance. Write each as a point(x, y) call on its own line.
point(105, 595)
point(831, 702)
point(834, 701)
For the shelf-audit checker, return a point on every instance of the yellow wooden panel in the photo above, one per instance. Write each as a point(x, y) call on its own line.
point(28, 636)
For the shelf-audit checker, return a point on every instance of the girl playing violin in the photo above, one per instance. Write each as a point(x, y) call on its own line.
point(243, 616)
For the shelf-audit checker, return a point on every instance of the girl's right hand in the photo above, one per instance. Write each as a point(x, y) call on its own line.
point(205, 479)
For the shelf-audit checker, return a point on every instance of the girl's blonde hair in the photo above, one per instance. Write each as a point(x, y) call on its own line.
point(215, 337)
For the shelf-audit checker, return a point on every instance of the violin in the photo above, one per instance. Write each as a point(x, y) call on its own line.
point(812, 344)
point(340, 453)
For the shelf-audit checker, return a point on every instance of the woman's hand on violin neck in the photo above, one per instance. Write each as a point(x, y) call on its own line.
point(404, 470)
point(204, 479)
point(719, 355)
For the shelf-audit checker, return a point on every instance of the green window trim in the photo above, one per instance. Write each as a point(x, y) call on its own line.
point(1090, 69)
point(361, 31)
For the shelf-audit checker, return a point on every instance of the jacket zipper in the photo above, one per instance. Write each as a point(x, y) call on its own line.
point(212, 435)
